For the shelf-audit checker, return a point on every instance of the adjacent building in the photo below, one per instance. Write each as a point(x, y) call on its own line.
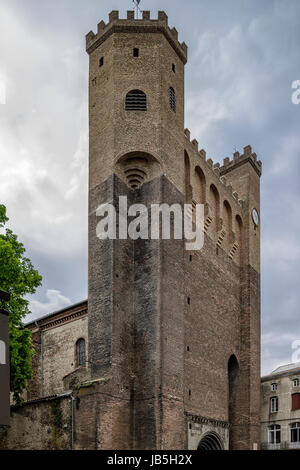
point(280, 408)
point(167, 353)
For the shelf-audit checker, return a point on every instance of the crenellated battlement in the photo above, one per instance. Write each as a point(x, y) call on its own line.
point(228, 165)
point(131, 24)
point(238, 160)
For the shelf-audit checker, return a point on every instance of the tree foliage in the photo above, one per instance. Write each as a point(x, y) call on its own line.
point(17, 276)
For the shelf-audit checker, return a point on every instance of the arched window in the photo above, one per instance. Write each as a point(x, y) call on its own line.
point(172, 99)
point(227, 217)
point(214, 200)
point(136, 100)
point(200, 185)
point(80, 353)
point(239, 235)
point(238, 228)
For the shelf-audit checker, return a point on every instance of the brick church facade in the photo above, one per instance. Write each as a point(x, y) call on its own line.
point(166, 353)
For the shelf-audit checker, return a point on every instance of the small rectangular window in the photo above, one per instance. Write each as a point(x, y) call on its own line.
point(274, 405)
point(273, 387)
point(173, 68)
point(136, 52)
point(172, 97)
point(101, 62)
point(296, 383)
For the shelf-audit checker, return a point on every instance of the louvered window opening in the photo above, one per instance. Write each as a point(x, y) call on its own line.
point(136, 101)
point(172, 99)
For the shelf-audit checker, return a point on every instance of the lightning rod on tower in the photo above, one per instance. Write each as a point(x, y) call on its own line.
point(137, 3)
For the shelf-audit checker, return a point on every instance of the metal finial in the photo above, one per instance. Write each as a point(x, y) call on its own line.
point(136, 3)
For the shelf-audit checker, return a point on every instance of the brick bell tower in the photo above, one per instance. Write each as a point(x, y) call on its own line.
point(173, 335)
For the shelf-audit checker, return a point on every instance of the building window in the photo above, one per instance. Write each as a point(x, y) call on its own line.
point(136, 52)
point(101, 62)
point(172, 96)
point(136, 100)
point(80, 353)
point(2, 353)
point(296, 383)
point(274, 434)
point(295, 401)
point(273, 387)
point(274, 404)
point(295, 432)
point(173, 68)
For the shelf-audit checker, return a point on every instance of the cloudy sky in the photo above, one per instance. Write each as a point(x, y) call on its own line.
point(243, 57)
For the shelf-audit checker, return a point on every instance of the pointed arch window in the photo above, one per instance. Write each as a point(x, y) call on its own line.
point(80, 353)
point(136, 100)
point(172, 96)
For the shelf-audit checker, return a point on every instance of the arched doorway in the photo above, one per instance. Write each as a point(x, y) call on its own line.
point(211, 441)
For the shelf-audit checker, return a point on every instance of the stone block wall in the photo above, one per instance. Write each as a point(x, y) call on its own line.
point(40, 425)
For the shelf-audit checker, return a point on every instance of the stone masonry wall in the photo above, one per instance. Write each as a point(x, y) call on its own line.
point(42, 425)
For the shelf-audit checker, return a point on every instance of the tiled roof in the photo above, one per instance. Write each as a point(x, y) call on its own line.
point(54, 314)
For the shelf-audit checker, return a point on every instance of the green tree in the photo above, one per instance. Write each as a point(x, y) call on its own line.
point(17, 276)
